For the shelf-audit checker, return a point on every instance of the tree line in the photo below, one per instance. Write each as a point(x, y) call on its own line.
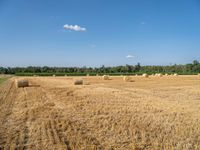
point(192, 68)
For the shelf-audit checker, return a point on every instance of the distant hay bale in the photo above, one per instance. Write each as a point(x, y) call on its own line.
point(127, 78)
point(54, 75)
point(78, 82)
point(166, 74)
point(21, 83)
point(160, 75)
point(145, 75)
point(86, 83)
point(97, 75)
point(136, 75)
point(175, 74)
point(105, 77)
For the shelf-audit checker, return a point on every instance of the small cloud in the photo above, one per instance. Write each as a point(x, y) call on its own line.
point(143, 23)
point(93, 45)
point(74, 27)
point(129, 56)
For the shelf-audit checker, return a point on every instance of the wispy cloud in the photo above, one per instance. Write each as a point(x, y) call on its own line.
point(92, 45)
point(129, 56)
point(74, 27)
point(143, 23)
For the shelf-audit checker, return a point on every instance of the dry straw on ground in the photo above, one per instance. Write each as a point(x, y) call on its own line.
point(154, 114)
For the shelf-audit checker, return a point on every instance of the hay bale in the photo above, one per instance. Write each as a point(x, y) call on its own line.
point(160, 75)
point(78, 82)
point(105, 77)
point(166, 74)
point(145, 75)
point(175, 74)
point(97, 75)
point(54, 75)
point(21, 83)
point(127, 78)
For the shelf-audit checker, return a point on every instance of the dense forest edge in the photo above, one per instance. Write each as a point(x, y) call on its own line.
point(187, 69)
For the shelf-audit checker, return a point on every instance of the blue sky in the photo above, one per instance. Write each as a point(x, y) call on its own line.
point(107, 32)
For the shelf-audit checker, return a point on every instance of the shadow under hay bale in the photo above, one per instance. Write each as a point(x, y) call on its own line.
point(34, 85)
point(21, 83)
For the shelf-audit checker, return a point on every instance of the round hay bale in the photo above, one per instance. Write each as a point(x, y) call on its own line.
point(127, 78)
point(105, 77)
point(166, 74)
point(136, 75)
point(175, 74)
point(145, 75)
point(160, 75)
point(78, 82)
point(54, 75)
point(21, 83)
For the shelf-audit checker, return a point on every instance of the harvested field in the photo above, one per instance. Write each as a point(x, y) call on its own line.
point(149, 113)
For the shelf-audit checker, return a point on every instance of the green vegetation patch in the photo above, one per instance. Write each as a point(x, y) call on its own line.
point(2, 79)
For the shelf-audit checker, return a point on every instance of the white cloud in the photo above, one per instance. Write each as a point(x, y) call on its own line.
point(92, 45)
point(74, 27)
point(143, 23)
point(129, 56)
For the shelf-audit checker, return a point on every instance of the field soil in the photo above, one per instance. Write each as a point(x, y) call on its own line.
point(147, 113)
